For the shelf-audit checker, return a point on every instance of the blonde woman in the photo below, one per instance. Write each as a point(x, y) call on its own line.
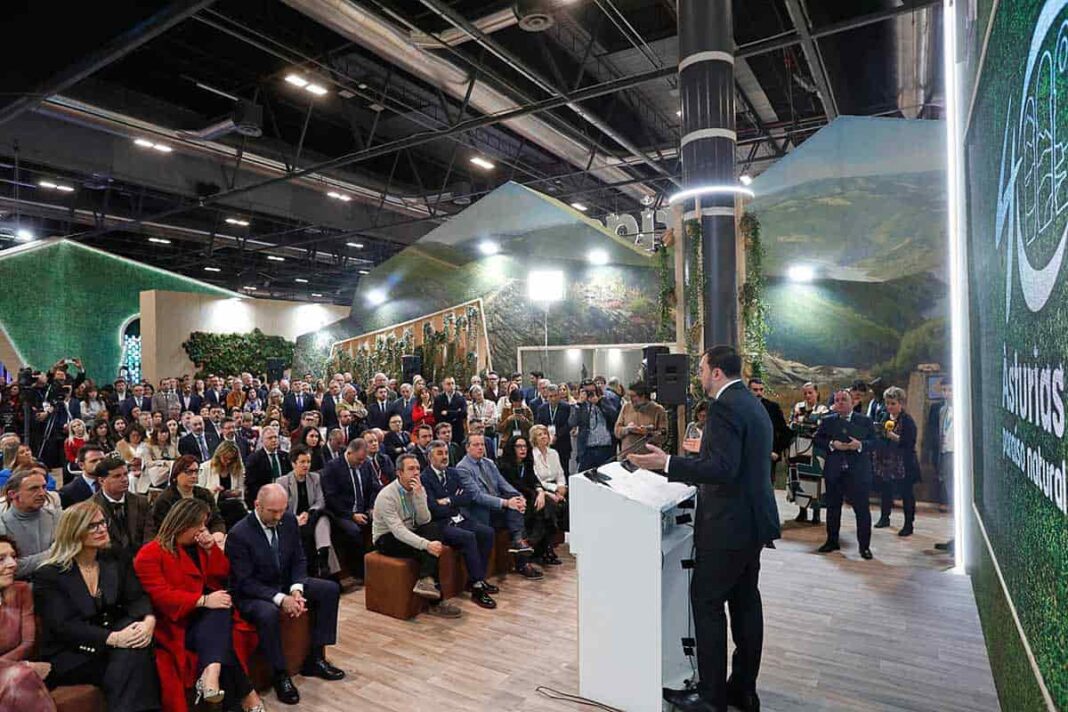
point(96, 622)
point(547, 464)
point(76, 437)
point(224, 474)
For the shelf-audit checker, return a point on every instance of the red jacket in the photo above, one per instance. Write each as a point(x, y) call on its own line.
point(174, 584)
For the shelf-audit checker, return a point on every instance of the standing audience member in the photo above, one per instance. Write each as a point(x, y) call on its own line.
point(780, 433)
point(804, 419)
point(269, 577)
point(22, 684)
point(450, 407)
point(939, 441)
point(96, 621)
point(423, 409)
point(128, 514)
point(595, 418)
point(641, 417)
point(403, 406)
point(184, 486)
point(516, 418)
point(482, 412)
point(555, 415)
point(895, 463)
point(28, 522)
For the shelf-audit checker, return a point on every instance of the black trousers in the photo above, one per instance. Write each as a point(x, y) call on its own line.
point(856, 489)
point(209, 636)
point(347, 539)
point(541, 525)
point(908, 498)
point(474, 541)
point(127, 676)
point(322, 598)
point(726, 576)
point(389, 545)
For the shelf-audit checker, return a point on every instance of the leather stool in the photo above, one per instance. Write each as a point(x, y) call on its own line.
point(296, 645)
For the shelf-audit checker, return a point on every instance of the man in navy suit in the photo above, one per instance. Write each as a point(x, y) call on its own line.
point(197, 442)
point(556, 416)
point(350, 490)
point(847, 469)
point(216, 394)
point(188, 400)
point(445, 496)
point(403, 406)
point(269, 578)
point(329, 406)
point(735, 517)
point(380, 409)
point(84, 483)
point(531, 392)
point(295, 403)
point(137, 400)
point(450, 407)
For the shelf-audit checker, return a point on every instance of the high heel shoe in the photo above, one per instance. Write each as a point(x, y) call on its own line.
point(207, 694)
point(257, 708)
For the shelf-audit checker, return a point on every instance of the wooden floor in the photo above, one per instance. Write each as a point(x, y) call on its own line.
point(841, 633)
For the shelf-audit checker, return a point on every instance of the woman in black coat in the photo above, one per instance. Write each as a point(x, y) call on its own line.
point(895, 461)
point(517, 467)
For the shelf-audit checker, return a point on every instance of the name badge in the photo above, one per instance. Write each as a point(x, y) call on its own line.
point(552, 431)
point(516, 433)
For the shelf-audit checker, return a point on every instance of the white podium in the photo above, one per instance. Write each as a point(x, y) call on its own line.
point(633, 602)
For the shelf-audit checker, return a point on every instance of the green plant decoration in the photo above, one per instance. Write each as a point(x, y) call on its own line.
point(228, 354)
point(751, 298)
point(695, 287)
point(665, 294)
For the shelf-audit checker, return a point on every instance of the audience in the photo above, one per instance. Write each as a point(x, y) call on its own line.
point(450, 407)
point(420, 446)
point(380, 466)
point(183, 485)
point(405, 529)
point(97, 623)
point(269, 578)
point(22, 685)
point(641, 417)
point(263, 466)
point(396, 440)
point(197, 442)
point(28, 522)
point(555, 415)
point(443, 432)
point(313, 442)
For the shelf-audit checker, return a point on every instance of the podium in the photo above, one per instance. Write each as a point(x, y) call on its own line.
point(633, 597)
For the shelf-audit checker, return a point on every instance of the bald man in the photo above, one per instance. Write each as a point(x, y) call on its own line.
point(269, 578)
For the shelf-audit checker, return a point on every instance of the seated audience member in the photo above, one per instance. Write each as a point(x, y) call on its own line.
point(232, 433)
point(423, 407)
point(83, 483)
point(28, 522)
point(92, 404)
point(201, 642)
point(346, 423)
point(350, 492)
point(550, 472)
point(334, 446)
point(305, 491)
point(404, 404)
point(308, 419)
point(128, 514)
point(404, 529)
point(183, 485)
point(482, 411)
point(76, 436)
point(118, 428)
point(516, 418)
point(641, 417)
point(263, 466)
point(396, 441)
point(198, 442)
point(22, 684)
point(224, 476)
point(495, 502)
point(312, 440)
point(96, 621)
point(474, 541)
point(162, 452)
point(100, 435)
point(379, 465)
point(16, 457)
point(269, 576)
point(133, 448)
point(420, 446)
point(443, 432)
point(517, 467)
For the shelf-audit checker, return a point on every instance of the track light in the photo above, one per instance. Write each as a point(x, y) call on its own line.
point(580, 207)
point(276, 258)
point(212, 269)
point(357, 245)
point(301, 280)
point(159, 240)
point(482, 163)
point(237, 221)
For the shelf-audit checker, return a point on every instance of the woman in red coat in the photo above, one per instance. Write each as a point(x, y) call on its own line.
point(201, 641)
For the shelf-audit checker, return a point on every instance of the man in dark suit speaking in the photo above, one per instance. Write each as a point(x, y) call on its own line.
point(736, 516)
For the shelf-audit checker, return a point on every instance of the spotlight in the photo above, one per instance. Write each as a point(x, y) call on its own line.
point(46, 184)
point(301, 280)
point(801, 273)
point(482, 163)
point(316, 294)
point(65, 188)
point(297, 80)
point(339, 196)
point(545, 285)
point(159, 240)
point(316, 89)
point(363, 271)
point(357, 245)
point(23, 234)
point(143, 142)
point(580, 207)
point(250, 288)
point(162, 148)
point(237, 221)
point(376, 297)
point(597, 257)
point(488, 247)
point(745, 179)
point(212, 269)
point(276, 258)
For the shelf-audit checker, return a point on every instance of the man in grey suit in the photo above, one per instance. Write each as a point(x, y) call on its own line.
point(736, 516)
point(306, 503)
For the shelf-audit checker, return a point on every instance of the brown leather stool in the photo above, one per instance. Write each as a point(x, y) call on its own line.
point(500, 562)
point(78, 698)
point(296, 645)
point(388, 582)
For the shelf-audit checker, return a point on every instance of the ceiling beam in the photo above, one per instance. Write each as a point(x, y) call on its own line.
point(811, 50)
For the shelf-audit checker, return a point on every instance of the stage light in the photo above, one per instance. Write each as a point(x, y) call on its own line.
point(276, 258)
point(597, 257)
point(580, 207)
point(708, 190)
point(488, 247)
point(357, 245)
point(376, 297)
point(159, 240)
point(482, 163)
point(545, 286)
point(23, 234)
point(316, 89)
point(237, 221)
point(212, 269)
point(65, 188)
point(297, 80)
point(143, 142)
point(745, 179)
point(301, 280)
point(800, 273)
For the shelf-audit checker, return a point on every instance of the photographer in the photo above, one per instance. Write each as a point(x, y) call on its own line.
point(52, 410)
point(595, 417)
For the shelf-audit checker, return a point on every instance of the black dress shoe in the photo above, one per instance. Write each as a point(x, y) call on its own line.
point(285, 690)
point(490, 588)
point(745, 701)
point(802, 516)
point(883, 523)
point(770, 545)
point(828, 546)
point(322, 669)
point(906, 530)
point(482, 598)
point(866, 554)
point(689, 701)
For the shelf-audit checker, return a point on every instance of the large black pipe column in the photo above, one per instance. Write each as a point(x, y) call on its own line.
point(706, 89)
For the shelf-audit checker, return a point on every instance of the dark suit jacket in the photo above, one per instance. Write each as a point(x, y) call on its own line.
point(858, 463)
point(216, 399)
point(404, 411)
point(453, 411)
point(352, 431)
point(395, 444)
point(424, 462)
point(378, 414)
point(329, 410)
point(561, 421)
point(71, 632)
point(291, 409)
point(77, 490)
point(258, 473)
point(191, 402)
point(380, 467)
point(140, 527)
point(187, 444)
point(255, 574)
point(452, 489)
point(780, 433)
point(144, 403)
point(339, 493)
point(735, 502)
point(932, 434)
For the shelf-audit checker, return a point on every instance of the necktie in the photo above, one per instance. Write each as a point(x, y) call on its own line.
point(491, 486)
point(203, 447)
point(275, 549)
point(118, 510)
point(357, 489)
point(276, 468)
point(95, 486)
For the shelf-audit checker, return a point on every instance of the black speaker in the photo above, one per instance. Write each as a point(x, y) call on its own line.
point(411, 366)
point(672, 379)
point(276, 368)
point(649, 357)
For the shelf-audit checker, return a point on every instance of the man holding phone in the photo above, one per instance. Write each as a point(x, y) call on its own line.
point(595, 418)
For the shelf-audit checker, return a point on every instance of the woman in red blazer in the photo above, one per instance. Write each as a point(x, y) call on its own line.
point(201, 640)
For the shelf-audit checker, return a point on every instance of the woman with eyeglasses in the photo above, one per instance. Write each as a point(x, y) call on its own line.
point(96, 621)
point(201, 640)
point(22, 684)
point(517, 466)
point(183, 485)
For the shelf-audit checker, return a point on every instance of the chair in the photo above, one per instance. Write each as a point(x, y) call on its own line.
point(296, 645)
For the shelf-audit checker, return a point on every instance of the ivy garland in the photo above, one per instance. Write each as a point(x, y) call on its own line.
point(665, 293)
point(698, 285)
point(751, 298)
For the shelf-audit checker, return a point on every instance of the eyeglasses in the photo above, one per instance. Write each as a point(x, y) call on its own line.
point(98, 525)
point(191, 470)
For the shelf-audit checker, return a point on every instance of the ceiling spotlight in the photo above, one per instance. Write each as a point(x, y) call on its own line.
point(801, 273)
point(162, 147)
point(212, 269)
point(482, 163)
point(23, 234)
point(597, 257)
point(46, 184)
point(65, 188)
point(357, 245)
point(296, 80)
point(339, 196)
point(363, 271)
point(376, 297)
point(316, 294)
point(361, 85)
point(237, 221)
point(745, 179)
point(143, 142)
point(316, 89)
point(301, 280)
point(250, 288)
point(276, 258)
point(580, 207)
point(159, 240)
point(488, 247)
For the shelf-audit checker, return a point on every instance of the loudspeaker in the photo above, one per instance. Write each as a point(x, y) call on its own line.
point(276, 368)
point(649, 357)
point(411, 366)
point(672, 378)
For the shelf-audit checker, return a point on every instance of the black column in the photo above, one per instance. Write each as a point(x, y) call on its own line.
point(706, 88)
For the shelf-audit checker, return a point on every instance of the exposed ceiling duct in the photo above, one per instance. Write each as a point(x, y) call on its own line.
point(375, 34)
point(912, 50)
point(246, 119)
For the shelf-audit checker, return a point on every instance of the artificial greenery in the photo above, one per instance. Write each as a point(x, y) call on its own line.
point(696, 286)
point(751, 298)
point(666, 293)
point(236, 353)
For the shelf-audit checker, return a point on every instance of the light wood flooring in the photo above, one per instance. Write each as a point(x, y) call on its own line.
point(841, 633)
